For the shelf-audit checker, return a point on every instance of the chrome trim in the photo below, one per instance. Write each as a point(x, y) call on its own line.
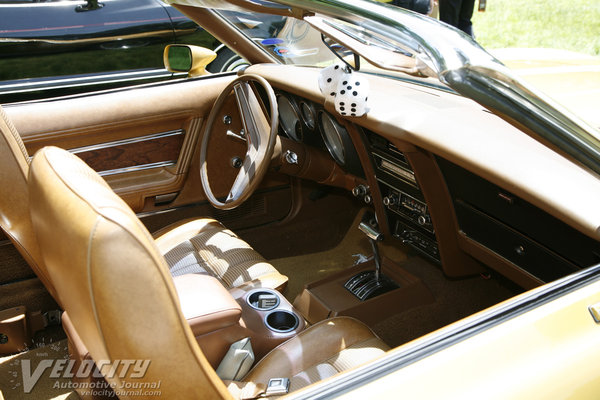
point(161, 164)
point(122, 142)
point(31, 85)
point(412, 180)
point(337, 129)
point(160, 212)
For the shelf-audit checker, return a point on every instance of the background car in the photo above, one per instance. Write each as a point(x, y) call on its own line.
point(55, 48)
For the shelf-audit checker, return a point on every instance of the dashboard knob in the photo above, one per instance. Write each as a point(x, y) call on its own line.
point(367, 199)
point(360, 190)
point(237, 162)
point(291, 157)
point(390, 200)
point(423, 220)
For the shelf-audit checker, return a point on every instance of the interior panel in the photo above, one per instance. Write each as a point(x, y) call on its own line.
point(515, 229)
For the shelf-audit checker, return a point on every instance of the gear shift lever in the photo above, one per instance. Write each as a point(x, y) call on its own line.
point(374, 236)
point(367, 284)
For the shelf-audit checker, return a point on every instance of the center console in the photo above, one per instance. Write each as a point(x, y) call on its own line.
point(406, 208)
point(219, 317)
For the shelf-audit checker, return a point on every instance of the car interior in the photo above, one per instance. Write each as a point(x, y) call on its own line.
point(175, 221)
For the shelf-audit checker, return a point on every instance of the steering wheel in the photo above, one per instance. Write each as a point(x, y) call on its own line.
point(259, 132)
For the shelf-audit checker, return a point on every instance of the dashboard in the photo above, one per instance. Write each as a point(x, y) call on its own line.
point(446, 213)
point(406, 210)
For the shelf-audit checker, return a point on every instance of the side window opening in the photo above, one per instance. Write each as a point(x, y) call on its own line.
point(50, 49)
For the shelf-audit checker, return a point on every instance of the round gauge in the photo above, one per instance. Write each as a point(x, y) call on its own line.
point(308, 114)
point(332, 136)
point(289, 120)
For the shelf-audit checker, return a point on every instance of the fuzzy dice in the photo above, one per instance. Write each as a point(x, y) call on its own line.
point(349, 91)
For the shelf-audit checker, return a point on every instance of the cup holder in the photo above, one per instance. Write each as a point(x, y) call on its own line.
point(282, 321)
point(263, 299)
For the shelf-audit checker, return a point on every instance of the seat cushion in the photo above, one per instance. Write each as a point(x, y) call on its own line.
point(205, 246)
point(321, 351)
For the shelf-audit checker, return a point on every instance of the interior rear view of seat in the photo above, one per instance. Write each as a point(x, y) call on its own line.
point(198, 246)
point(14, 201)
point(118, 292)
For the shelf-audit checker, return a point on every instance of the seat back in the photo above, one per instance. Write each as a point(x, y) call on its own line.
point(14, 201)
point(113, 282)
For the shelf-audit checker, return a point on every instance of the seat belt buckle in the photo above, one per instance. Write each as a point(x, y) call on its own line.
point(277, 386)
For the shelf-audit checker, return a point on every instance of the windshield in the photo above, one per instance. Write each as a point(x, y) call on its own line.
point(299, 42)
point(289, 40)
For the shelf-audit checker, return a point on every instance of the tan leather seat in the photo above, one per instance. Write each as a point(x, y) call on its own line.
point(201, 246)
point(319, 352)
point(14, 201)
point(119, 294)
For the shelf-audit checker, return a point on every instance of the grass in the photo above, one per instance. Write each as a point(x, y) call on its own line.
point(561, 24)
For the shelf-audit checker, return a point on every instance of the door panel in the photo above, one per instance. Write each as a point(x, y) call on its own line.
point(139, 140)
point(143, 141)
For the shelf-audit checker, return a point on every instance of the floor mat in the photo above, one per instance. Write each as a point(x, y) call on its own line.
point(454, 299)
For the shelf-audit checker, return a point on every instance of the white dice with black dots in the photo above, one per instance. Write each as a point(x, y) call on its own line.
point(349, 90)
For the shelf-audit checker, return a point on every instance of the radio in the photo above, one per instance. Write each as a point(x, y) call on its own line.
point(408, 207)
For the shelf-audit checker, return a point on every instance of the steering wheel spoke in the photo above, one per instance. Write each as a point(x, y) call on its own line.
point(255, 122)
point(260, 132)
point(245, 175)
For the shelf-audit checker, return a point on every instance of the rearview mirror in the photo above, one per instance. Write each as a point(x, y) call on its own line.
point(186, 58)
point(351, 59)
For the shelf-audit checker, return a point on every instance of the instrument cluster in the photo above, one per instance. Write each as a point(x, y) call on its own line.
point(306, 122)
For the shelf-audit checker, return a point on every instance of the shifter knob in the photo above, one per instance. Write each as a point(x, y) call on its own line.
point(368, 225)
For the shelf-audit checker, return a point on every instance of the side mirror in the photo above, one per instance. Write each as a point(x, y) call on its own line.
point(186, 58)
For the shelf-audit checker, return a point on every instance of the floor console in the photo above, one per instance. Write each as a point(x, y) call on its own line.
point(330, 297)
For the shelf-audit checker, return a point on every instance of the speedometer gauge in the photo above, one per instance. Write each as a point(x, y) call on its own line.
point(332, 136)
point(289, 119)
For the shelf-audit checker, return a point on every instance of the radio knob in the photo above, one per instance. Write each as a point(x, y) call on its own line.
point(390, 200)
